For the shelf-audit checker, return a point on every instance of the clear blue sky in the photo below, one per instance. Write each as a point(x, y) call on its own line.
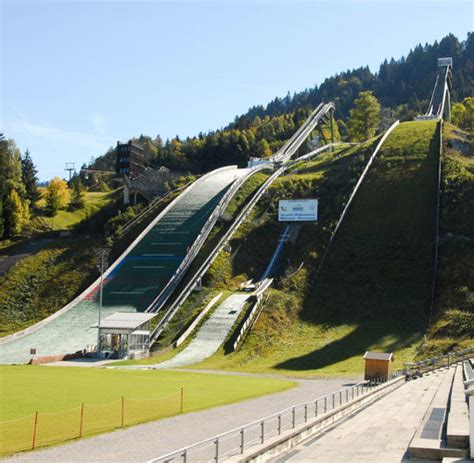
point(78, 76)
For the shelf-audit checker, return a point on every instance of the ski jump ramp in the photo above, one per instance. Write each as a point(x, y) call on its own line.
point(137, 277)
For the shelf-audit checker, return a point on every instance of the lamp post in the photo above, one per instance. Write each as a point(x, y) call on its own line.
point(103, 255)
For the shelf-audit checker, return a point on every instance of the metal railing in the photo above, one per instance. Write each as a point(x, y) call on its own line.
point(414, 369)
point(292, 145)
point(469, 391)
point(182, 296)
point(161, 299)
point(121, 230)
point(238, 440)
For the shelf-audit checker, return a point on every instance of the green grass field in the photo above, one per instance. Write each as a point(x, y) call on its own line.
point(26, 389)
point(77, 402)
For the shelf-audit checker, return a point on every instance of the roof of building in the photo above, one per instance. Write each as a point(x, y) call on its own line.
point(378, 355)
point(125, 320)
point(152, 181)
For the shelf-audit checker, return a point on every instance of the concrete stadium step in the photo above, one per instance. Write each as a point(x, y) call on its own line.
point(136, 281)
point(380, 432)
point(458, 416)
point(211, 335)
point(429, 442)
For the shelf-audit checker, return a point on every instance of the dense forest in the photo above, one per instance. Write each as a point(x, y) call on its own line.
point(402, 87)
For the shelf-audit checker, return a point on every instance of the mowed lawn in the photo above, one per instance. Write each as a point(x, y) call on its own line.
point(27, 389)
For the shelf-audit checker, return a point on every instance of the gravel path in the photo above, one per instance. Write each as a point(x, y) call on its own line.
point(10, 257)
point(144, 442)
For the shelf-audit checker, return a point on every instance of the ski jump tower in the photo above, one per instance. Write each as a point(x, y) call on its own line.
point(440, 102)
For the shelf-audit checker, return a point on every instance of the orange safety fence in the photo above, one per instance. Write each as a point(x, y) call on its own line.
point(42, 429)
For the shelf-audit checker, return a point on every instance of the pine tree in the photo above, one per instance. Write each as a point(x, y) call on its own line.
point(2, 228)
point(15, 215)
point(30, 180)
point(77, 194)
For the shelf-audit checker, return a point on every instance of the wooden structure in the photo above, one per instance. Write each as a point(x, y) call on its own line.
point(377, 365)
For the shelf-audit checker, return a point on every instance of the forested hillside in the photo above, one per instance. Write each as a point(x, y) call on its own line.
point(402, 86)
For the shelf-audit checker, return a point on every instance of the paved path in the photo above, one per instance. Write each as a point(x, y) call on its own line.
point(379, 433)
point(211, 335)
point(144, 442)
point(10, 257)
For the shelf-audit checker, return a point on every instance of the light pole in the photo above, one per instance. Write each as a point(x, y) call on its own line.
point(103, 255)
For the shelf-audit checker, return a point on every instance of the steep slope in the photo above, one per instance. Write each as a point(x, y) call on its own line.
point(453, 319)
point(374, 289)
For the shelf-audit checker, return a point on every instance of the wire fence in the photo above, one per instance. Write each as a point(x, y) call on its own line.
point(41, 429)
point(237, 441)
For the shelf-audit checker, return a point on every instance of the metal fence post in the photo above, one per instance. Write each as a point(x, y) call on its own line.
point(325, 404)
point(316, 408)
point(81, 423)
point(185, 455)
point(294, 416)
point(262, 425)
point(279, 424)
point(35, 427)
point(216, 456)
point(242, 440)
point(305, 413)
point(340, 398)
point(347, 395)
point(122, 418)
point(333, 401)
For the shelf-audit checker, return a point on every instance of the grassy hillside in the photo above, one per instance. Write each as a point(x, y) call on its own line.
point(453, 321)
point(374, 290)
point(42, 283)
point(67, 220)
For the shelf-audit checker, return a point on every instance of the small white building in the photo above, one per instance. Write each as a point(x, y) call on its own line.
point(125, 335)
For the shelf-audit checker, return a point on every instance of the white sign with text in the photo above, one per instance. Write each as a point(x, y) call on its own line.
point(298, 210)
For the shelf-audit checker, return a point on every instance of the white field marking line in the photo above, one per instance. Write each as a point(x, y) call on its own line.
point(127, 292)
point(148, 266)
point(184, 232)
point(158, 255)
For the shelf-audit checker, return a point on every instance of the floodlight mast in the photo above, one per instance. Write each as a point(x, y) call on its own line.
point(70, 167)
point(103, 255)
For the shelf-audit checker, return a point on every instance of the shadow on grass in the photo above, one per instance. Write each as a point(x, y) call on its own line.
point(356, 343)
point(378, 275)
